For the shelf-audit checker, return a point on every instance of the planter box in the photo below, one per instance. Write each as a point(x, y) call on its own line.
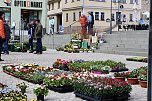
point(143, 84)
point(133, 81)
point(64, 89)
point(84, 97)
point(124, 98)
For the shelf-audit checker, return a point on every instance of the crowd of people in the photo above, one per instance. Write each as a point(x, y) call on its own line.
point(34, 31)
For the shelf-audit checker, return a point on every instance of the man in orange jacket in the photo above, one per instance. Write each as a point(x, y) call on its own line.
point(2, 33)
point(83, 22)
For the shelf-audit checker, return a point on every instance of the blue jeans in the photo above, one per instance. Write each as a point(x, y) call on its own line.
point(5, 45)
point(39, 45)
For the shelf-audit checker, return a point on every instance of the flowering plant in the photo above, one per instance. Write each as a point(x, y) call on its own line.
point(42, 90)
point(102, 88)
point(143, 76)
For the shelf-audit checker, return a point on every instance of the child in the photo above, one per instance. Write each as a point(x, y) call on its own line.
point(31, 35)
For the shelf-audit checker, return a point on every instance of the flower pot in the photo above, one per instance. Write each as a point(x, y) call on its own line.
point(120, 78)
point(132, 81)
point(40, 98)
point(143, 84)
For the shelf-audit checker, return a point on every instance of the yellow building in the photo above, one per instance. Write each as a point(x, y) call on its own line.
point(67, 12)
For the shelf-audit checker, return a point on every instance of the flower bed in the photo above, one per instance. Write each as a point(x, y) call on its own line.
point(137, 59)
point(101, 89)
point(102, 66)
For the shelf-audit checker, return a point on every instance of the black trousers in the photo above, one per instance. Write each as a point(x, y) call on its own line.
point(39, 45)
point(1, 44)
point(31, 43)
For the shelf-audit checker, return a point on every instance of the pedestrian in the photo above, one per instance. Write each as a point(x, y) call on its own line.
point(92, 22)
point(83, 22)
point(2, 33)
point(8, 32)
point(31, 30)
point(51, 26)
point(38, 36)
point(89, 23)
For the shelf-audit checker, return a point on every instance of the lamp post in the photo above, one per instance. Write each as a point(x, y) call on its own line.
point(83, 6)
point(135, 12)
point(111, 18)
point(149, 98)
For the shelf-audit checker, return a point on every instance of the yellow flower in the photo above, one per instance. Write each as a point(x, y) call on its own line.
point(33, 100)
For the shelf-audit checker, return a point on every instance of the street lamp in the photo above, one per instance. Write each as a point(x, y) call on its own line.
point(149, 98)
point(111, 18)
point(135, 12)
point(83, 6)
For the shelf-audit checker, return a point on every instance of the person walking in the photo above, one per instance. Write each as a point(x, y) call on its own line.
point(38, 36)
point(8, 32)
point(51, 26)
point(83, 22)
point(31, 30)
point(89, 23)
point(2, 33)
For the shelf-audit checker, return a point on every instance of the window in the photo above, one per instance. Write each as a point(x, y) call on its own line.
point(74, 17)
point(59, 5)
point(136, 1)
point(102, 16)
point(66, 1)
point(79, 14)
point(131, 1)
point(96, 15)
point(131, 17)
point(52, 6)
point(113, 17)
point(124, 18)
point(67, 17)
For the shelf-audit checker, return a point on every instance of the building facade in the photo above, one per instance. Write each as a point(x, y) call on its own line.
point(23, 11)
point(67, 12)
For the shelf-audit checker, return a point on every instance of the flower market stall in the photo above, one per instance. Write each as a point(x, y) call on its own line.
point(89, 80)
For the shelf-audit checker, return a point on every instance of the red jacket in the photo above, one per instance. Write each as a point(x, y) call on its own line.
point(2, 33)
point(83, 20)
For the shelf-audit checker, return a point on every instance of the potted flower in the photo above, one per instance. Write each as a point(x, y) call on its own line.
point(132, 77)
point(40, 92)
point(143, 80)
point(22, 87)
point(120, 76)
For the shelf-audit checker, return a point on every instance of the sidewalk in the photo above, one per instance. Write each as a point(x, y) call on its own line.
point(47, 59)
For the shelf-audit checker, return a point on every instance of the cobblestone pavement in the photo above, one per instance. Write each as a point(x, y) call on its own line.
point(47, 59)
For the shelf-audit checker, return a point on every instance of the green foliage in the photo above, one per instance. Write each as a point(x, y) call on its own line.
point(41, 91)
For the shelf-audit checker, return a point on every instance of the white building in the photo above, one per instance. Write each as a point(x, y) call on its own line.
point(23, 11)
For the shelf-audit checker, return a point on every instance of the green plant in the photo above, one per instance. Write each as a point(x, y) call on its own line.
point(143, 77)
point(22, 86)
point(100, 68)
point(132, 74)
point(41, 91)
point(120, 74)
